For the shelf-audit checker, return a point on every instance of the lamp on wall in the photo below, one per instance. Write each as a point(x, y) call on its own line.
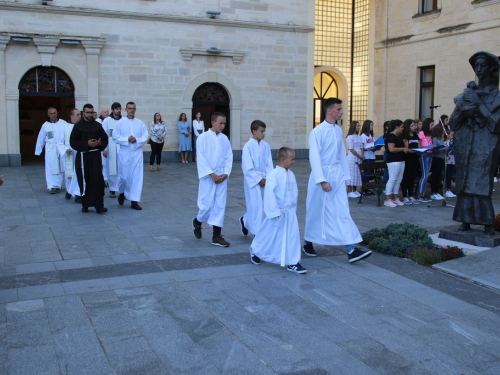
point(21, 39)
point(70, 41)
point(214, 50)
point(44, 2)
point(213, 13)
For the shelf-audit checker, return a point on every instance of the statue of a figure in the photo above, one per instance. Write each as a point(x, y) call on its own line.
point(476, 122)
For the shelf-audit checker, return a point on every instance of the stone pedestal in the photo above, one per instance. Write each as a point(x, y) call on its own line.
point(475, 237)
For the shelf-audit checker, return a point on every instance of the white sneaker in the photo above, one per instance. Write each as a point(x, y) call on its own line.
point(449, 194)
point(495, 179)
point(440, 196)
point(436, 197)
point(352, 195)
point(413, 200)
point(406, 201)
point(397, 202)
point(358, 194)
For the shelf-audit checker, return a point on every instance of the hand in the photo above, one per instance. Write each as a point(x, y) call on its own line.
point(262, 182)
point(326, 187)
point(98, 142)
point(69, 151)
point(1, 180)
point(218, 178)
point(132, 139)
point(160, 138)
point(92, 142)
point(105, 153)
point(186, 134)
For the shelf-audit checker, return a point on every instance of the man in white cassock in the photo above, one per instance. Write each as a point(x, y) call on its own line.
point(214, 163)
point(47, 137)
point(278, 240)
point(256, 162)
point(67, 154)
point(131, 134)
point(328, 219)
point(103, 114)
point(110, 155)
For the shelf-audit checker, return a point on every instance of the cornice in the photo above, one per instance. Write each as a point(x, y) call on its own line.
point(73, 11)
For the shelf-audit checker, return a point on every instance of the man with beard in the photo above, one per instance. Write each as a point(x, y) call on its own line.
point(48, 136)
point(131, 134)
point(88, 138)
point(110, 160)
point(67, 154)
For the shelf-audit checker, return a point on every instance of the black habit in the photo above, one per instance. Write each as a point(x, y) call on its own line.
point(88, 163)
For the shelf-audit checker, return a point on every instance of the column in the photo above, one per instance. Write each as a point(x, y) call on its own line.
point(92, 49)
point(3, 105)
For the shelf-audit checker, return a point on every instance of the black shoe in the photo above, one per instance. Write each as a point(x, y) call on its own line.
point(308, 249)
point(101, 210)
point(67, 196)
point(297, 268)
point(53, 190)
point(244, 231)
point(135, 206)
point(358, 254)
point(219, 240)
point(254, 258)
point(196, 228)
point(78, 199)
point(112, 194)
point(121, 199)
point(85, 209)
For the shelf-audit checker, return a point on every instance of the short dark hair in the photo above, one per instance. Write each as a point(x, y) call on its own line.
point(88, 105)
point(284, 152)
point(216, 115)
point(330, 102)
point(256, 124)
point(115, 105)
point(129, 103)
point(72, 112)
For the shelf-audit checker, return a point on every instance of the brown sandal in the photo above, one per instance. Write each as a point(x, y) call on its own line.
point(151, 168)
point(158, 167)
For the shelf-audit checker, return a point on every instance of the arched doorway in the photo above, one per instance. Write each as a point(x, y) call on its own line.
point(208, 98)
point(325, 86)
point(40, 88)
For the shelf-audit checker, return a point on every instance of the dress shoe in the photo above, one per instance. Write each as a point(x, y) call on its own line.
point(121, 199)
point(135, 206)
point(67, 196)
point(101, 210)
point(78, 199)
point(85, 209)
point(112, 194)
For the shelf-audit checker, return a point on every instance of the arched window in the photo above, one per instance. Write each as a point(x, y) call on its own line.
point(325, 87)
point(46, 81)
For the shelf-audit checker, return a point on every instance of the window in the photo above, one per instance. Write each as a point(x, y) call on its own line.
point(428, 5)
point(426, 97)
point(325, 87)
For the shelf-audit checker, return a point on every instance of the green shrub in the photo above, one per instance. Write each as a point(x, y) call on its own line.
point(397, 239)
point(426, 255)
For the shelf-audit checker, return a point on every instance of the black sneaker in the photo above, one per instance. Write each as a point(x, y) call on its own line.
point(254, 258)
point(53, 190)
point(244, 231)
point(101, 210)
point(78, 199)
point(308, 249)
point(358, 254)
point(134, 205)
point(85, 209)
point(121, 199)
point(112, 194)
point(196, 228)
point(219, 241)
point(297, 268)
point(67, 196)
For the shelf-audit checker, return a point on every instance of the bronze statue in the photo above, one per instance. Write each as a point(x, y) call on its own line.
point(476, 122)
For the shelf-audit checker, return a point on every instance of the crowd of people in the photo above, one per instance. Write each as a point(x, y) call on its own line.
point(412, 148)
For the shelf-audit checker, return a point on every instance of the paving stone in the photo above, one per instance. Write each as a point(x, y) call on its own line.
point(40, 359)
point(35, 268)
point(42, 291)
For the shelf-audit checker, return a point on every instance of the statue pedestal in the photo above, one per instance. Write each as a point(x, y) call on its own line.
point(472, 237)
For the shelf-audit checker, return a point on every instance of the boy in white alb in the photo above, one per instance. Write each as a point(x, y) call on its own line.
point(214, 163)
point(257, 163)
point(278, 240)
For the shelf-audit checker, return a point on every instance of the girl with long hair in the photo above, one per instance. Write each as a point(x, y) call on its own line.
point(411, 141)
point(354, 156)
point(396, 152)
point(157, 133)
point(368, 149)
point(184, 137)
point(198, 128)
point(426, 158)
point(437, 166)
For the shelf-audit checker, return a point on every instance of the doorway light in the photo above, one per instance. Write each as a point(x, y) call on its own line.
point(20, 39)
point(70, 41)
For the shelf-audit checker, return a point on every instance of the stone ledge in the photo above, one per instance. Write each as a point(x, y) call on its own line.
point(473, 237)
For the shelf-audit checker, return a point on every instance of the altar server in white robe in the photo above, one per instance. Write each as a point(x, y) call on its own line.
point(278, 240)
point(67, 154)
point(328, 219)
point(256, 162)
point(214, 163)
point(47, 137)
point(131, 134)
point(110, 155)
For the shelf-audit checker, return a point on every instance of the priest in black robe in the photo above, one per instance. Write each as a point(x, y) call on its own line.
point(88, 138)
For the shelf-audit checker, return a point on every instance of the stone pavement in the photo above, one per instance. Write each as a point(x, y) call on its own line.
point(134, 292)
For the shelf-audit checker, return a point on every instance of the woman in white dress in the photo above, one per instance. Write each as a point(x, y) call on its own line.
point(354, 157)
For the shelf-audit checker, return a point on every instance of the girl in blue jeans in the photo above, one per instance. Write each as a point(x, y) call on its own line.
point(426, 158)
